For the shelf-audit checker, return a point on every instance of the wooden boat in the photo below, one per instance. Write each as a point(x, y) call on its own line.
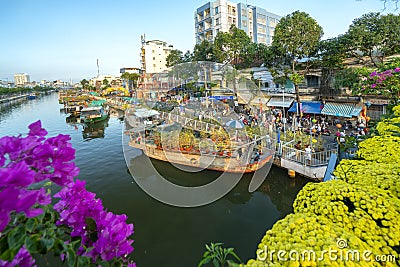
point(196, 131)
point(226, 155)
point(93, 114)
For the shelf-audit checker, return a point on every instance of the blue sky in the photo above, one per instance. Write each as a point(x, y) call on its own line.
point(54, 39)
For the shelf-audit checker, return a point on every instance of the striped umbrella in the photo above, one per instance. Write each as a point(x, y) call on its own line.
point(235, 124)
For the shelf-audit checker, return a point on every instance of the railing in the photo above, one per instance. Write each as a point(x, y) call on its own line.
point(312, 159)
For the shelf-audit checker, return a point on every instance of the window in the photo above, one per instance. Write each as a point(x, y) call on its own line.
point(216, 10)
point(154, 58)
point(312, 81)
point(217, 21)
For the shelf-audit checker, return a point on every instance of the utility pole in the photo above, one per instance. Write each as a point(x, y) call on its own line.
point(98, 70)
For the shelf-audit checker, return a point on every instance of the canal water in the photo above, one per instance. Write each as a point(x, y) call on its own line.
point(164, 235)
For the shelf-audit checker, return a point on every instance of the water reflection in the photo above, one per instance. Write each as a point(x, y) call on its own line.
point(89, 130)
point(94, 130)
point(281, 191)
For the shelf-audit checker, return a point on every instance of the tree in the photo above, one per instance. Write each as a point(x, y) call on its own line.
point(296, 37)
point(131, 78)
point(85, 84)
point(187, 57)
point(174, 57)
point(373, 37)
point(106, 83)
point(331, 55)
point(231, 47)
point(204, 52)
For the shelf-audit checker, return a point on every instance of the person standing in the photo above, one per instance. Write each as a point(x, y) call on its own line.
point(308, 153)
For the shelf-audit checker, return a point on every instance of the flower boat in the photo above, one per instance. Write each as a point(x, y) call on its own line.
point(93, 114)
point(180, 140)
point(199, 126)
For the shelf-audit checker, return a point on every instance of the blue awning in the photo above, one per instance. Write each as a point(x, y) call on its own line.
point(347, 110)
point(311, 107)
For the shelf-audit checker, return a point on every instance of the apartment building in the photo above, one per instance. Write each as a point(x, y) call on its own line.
point(153, 57)
point(21, 79)
point(218, 16)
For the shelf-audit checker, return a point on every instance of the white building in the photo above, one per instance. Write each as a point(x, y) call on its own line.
point(21, 79)
point(218, 16)
point(113, 81)
point(153, 57)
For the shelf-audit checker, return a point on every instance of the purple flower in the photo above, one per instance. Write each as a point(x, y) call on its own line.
point(387, 72)
point(112, 232)
point(373, 85)
point(373, 74)
point(36, 129)
point(19, 175)
point(24, 162)
point(21, 259)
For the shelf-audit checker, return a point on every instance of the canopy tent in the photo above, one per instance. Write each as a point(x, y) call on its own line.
point(308, 107)
point(259, 100)
point(145, 113)
point(346, 110)
point(96, 103)
point(280, 102)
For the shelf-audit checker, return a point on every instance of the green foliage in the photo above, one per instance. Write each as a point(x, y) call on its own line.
point(23, 90)
point(297, 36)
point(296, 78)
point(40, 235)
point(174, 57)
point(231, 46)
point(218, 255)
point(204, 52)
point(348, 78)
point(373, 37)
point(131, 78)
point(332, 53)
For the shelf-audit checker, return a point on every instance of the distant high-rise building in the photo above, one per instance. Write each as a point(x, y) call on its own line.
point(21, 79)
point(218, 16)
point(153, 57)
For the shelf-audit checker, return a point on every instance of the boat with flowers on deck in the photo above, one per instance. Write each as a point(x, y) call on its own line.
point(93, 114)
point(186, 141)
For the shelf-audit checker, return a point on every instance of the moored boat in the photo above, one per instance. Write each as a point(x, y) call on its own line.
point(93, 114)
point(32, 96)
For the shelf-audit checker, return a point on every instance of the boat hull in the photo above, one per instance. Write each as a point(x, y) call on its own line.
point(202, 161)
point(94, 120)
